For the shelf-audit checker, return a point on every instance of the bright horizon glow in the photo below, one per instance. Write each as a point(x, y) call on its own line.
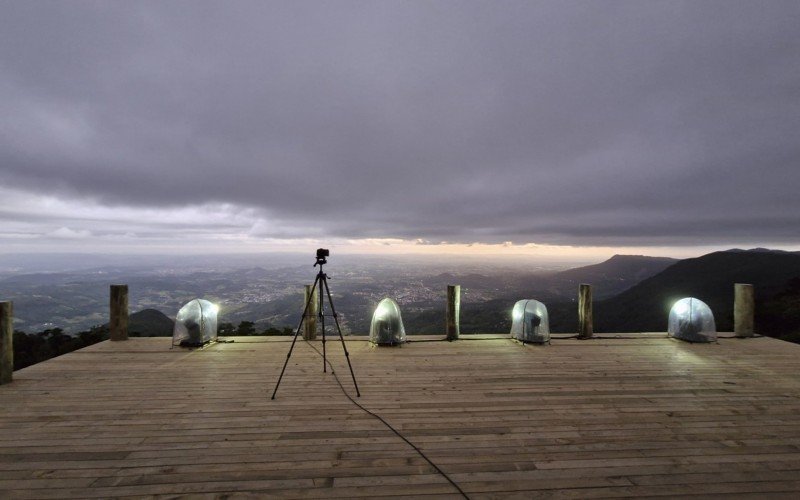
point(233, 244)
point(375, 247)
point(52, 224)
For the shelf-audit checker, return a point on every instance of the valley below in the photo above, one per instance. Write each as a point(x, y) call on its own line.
point(631, 293)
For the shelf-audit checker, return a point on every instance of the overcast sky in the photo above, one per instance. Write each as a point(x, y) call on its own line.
point(187, 126)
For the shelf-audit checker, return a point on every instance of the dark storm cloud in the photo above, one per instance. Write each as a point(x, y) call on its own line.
point(560, 122)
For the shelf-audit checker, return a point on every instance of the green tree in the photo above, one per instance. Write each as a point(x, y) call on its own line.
point(94, 335)
point(246, 328)
point(33, 348)
point(58, 341)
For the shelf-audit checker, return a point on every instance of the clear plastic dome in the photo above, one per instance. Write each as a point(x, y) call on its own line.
point(529, 322)
point(691, 319)
point(195, 324)
point(387, 324)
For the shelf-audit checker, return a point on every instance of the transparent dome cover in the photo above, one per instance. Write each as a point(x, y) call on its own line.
point(529, 322)
point(387, 324)
point(195, 324)
point(691, 319)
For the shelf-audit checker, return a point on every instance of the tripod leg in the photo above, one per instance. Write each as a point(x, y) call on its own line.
point(322, 322)
point(339, 329)
point(296, 333)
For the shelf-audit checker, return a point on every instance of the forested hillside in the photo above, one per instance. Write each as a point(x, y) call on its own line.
point(710, 278)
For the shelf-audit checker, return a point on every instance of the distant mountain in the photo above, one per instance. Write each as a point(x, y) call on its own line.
point(150, 323)
point(608, 278)
point(469, 280)
point(616, 274)
point(710, 278)
point(558, 290)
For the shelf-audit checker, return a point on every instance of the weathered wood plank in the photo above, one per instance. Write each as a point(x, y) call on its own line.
point(640, 416)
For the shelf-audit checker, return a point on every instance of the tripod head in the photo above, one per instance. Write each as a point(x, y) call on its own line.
point(322, 253)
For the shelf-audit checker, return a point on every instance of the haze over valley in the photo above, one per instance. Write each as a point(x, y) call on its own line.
point(73, 294)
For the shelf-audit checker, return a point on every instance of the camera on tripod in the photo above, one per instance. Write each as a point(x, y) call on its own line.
point(320, 281)
point(321, 254)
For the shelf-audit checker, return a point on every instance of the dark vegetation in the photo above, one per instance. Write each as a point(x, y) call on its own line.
point(779, 316)
point(248, 328)
point(32, 348)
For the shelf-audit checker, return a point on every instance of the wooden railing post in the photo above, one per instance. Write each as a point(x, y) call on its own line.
point(453, 313)
point(6, 342)
point(585, 321)
point(118, 324)
point(743, 310)
point(310, 320)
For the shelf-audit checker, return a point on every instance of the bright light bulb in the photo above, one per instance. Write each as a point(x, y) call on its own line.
point(681, 307)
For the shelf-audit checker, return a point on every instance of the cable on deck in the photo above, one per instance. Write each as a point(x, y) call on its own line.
point(388, 425)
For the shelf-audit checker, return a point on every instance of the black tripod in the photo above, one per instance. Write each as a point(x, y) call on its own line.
point(322, 281)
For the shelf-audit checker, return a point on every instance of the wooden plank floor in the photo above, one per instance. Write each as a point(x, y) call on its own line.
point(628, 417)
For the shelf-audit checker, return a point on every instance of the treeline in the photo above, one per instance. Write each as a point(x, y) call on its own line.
point(32, 348)
point(248, 328)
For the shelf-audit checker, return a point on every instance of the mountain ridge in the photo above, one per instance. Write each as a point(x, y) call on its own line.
point(150, 323)
point(710, 278)
point(560, 289)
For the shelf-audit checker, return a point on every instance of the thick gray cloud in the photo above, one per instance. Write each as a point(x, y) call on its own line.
point(614, 123)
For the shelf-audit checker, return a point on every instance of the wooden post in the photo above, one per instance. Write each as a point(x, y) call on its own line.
point(118, 324)
point(6, 342)
point(743, 310)
point(585, 321)
point(310, 320)
point(453, 326)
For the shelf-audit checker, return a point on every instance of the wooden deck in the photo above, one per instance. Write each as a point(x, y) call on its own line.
point(632, 417)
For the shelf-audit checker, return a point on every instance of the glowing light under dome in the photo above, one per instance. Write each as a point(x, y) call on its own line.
point(691, 319)
point(530, 322)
